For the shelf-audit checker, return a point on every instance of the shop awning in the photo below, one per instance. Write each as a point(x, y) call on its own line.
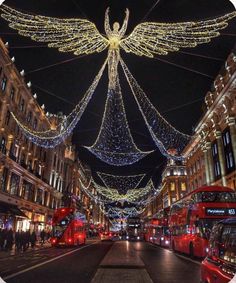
point(11, 209)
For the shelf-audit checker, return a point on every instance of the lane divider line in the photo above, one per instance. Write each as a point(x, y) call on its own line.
point(45, 262)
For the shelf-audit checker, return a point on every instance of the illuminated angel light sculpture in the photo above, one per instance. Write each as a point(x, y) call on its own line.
point(148, 39)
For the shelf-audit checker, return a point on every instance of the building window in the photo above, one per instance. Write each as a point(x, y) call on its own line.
point(22, 104)
point(29, 117)
point(12, 94)
point(14, 184)
point(4, 179)
point(27, 191)
point(35, 124)
point(8, 116)
point(172, 186)
point(183, 186)
point(4, 83)
point(3, 145)
point(39, 199)
point(228, 151)
point(215, 156)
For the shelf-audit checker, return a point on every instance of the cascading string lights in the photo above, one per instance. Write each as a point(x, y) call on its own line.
point(114, 144)
point(121, 183)
point(53, 137)
point(164, 135)
point(131, 196)
point(80, 36)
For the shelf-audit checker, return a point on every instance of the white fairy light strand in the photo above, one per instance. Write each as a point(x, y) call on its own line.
point(121, 183)
point(164, 135)
point(51, 138)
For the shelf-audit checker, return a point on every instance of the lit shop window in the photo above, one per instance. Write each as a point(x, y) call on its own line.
point(172, 186)
point(183, 186)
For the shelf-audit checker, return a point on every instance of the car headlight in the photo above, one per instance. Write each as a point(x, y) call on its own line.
point(162, 238)
point(138, 238)
point(167, 242)
point(150, 238)
point(127, 237)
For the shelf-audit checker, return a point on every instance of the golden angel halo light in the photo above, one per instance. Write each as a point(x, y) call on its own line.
point(149, 39)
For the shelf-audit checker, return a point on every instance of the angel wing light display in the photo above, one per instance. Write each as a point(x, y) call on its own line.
point(115, 144)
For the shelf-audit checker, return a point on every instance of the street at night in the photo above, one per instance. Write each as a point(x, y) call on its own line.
point(101, 262)
point(118, 141)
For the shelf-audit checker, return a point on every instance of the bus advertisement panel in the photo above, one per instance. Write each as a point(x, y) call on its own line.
point(68, 227)
point(192, 218)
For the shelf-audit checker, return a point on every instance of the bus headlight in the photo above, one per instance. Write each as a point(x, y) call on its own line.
point(207, 250)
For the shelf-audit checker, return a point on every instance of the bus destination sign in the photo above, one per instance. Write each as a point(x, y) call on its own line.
point(221, 211)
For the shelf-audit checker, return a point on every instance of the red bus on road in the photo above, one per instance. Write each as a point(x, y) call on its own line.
point(192, 218)
point(157, 230)
point(68, 227)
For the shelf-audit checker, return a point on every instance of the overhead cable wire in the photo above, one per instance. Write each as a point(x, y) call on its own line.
point(184, 68)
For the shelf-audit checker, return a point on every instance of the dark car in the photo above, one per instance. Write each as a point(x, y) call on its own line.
point(220, 264)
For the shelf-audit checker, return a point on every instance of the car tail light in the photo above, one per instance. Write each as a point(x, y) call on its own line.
point(110, 235)
point(54, 241)
point(69, 240)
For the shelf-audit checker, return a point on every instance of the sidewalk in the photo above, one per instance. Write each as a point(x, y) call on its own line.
point(38, 246)
point(13, 252)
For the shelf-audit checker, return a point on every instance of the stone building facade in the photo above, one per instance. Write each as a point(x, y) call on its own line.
point(211, 153)
point(33, 179)
point(210, 156)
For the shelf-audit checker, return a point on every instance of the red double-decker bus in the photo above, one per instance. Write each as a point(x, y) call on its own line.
point(157, 230)
point(68, 227)
point(192, 218)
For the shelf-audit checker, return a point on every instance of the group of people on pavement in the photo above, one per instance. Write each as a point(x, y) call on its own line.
point(22, 239)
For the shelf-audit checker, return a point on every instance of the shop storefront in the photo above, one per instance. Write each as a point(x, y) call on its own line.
point(10, 216)
point(23, 224)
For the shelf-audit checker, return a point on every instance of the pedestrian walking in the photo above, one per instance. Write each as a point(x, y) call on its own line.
point(42, 236)
point(9, 240)
point(33, 239)
point(1, 239)
point(18, 240)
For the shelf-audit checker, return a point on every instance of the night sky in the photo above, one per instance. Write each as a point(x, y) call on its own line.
point(176, 92)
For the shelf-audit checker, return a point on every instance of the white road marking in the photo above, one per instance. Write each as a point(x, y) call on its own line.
point(45, 262)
